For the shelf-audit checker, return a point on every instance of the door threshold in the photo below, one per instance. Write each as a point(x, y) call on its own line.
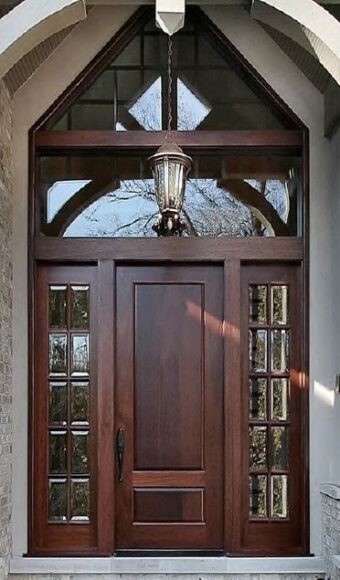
point(169, 554)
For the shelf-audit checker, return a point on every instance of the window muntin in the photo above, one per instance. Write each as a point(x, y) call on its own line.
point(209, 92)
point(269, 392)
point(69, 409)
point(108, 196)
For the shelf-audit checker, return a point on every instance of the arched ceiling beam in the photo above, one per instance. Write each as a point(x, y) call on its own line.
point(31, 22)
point(319, 31)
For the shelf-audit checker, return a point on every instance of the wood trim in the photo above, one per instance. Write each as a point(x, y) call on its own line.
point(168, 479)
point(141, 140)
point(232, 404)
point(169, 249)
point(106, 371)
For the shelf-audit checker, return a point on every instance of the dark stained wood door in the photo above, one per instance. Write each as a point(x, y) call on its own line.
point(169, 403)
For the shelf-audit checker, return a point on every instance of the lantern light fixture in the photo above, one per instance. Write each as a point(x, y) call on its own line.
point(170, 167)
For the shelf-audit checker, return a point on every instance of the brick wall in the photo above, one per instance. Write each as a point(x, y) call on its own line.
point(330, 498)
point(5, 325)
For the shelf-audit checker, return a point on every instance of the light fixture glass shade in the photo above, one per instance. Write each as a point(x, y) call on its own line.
point(170, 167)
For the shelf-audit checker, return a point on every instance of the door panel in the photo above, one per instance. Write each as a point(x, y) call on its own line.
point(169, 401)
point(168, 377)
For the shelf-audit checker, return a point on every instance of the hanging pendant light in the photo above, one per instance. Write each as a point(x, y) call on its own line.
point(170, 167)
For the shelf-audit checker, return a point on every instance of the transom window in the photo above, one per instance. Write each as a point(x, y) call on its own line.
point(102, 196)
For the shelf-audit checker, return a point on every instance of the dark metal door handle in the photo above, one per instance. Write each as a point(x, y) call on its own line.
point(120, 452)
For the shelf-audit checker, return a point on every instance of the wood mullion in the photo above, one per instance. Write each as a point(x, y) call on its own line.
point(146, 139)
point(171, 249)
point(232, 403)
point(105, 406)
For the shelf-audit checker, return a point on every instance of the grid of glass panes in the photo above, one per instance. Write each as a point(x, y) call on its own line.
point(69, 403)
point(131, 92)
point(269, 383)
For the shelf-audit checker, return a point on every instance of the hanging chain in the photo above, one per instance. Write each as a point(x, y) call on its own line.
point(168, 137)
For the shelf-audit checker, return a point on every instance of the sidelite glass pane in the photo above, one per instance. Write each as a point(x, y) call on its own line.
point(258, 350)
point(57, 306)
point(80, 499)
point(280, 351)
point(57, 452)
point(258, 304)
point(80, 307)
point(80, 452)
point(258, 496)
point(57, 499)
point(279, 443)
point(279, 399)
point(258, 448)
point(80, 361)
point(279, 302)
point(80, 399)
point(58, 354)
point(279, 496)
point(58, 402)
point(258, 399)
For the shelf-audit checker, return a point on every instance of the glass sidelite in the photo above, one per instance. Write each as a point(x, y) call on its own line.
point(269, 401)
point(258, 341)
point(258, 398)
point(258, 496)
point(69, 478)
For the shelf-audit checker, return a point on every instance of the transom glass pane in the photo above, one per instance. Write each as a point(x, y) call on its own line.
point(226, 196)
point(131, 93)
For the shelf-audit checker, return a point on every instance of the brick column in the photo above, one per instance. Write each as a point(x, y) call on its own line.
point(5, 325)
point(330, 500)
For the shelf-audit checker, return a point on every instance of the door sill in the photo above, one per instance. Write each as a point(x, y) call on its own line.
point(169, 554)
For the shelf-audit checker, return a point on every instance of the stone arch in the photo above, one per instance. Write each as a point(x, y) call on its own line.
point(30, 23)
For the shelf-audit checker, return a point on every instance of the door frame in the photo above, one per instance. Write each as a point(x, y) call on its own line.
point(106, 253)
point(232, 435)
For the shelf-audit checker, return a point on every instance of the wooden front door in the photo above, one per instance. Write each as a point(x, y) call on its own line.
point(169, 407)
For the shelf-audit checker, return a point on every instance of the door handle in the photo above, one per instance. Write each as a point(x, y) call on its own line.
point(120, 442)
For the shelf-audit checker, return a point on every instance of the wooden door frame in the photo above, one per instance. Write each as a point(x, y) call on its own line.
point(106, 253)
point(232, 403)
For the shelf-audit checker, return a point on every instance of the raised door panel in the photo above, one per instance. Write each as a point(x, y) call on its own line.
point(168, 376)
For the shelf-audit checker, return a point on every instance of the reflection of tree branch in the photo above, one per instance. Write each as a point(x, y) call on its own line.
point(254, 199)
point(191, 228)
point(130, 224)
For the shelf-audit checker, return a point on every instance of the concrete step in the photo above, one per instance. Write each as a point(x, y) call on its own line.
point(167, 568)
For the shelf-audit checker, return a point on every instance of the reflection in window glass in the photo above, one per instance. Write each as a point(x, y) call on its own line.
point(103, 196)
point(60, 193)
point(210, 93)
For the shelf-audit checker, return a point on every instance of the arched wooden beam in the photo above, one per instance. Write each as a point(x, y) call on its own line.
point(78, 202)
point(319, 31)
point(252, 198)
point(31, 22)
